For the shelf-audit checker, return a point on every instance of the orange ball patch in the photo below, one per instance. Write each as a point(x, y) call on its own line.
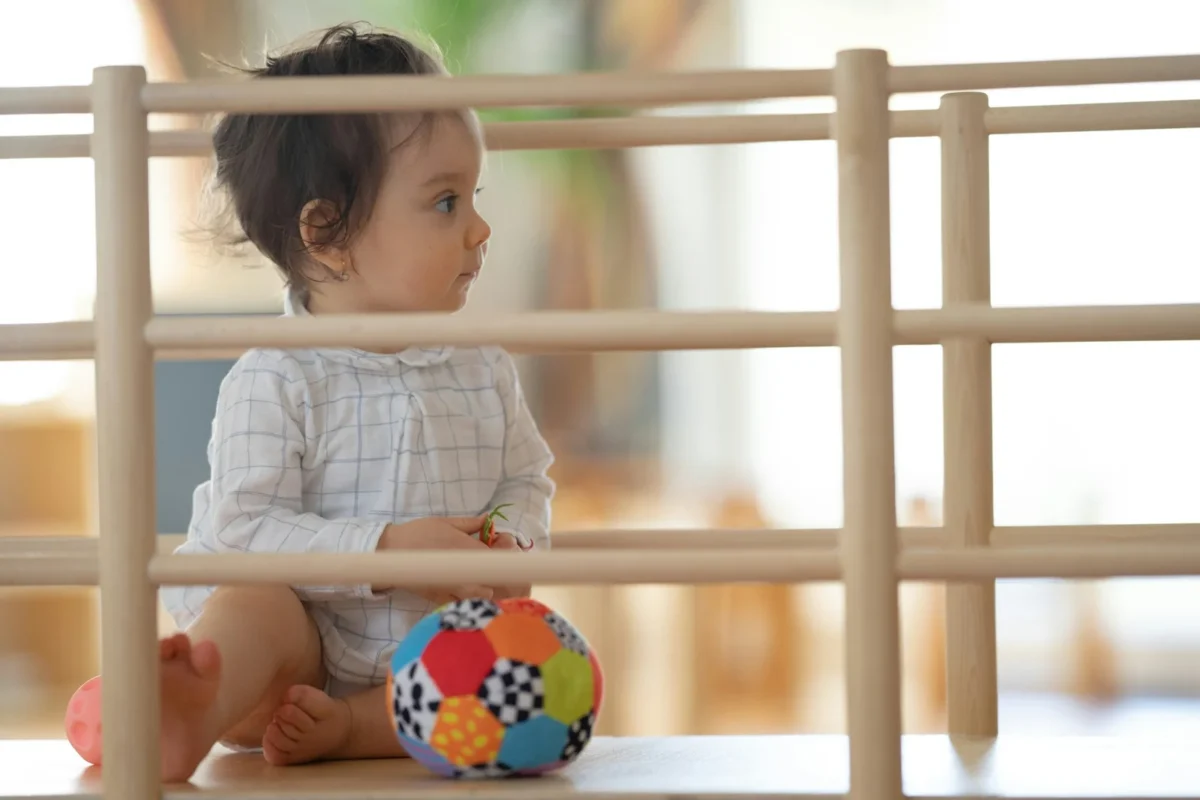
point(519, 637)
point(466, 732)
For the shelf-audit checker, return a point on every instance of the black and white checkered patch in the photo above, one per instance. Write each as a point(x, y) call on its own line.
point(477, 771)
point(415, 701)
point(468, 615)
point(513, 691)
point(566, 633)
point(578, 736)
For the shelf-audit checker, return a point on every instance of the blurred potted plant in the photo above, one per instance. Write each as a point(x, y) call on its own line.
point(597, 253)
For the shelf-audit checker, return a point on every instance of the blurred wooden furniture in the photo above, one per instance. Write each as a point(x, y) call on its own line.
point(48, 635)
point(748, 645)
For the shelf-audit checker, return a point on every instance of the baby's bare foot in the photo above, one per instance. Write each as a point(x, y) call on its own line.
point(308, 725)
point(189, 678)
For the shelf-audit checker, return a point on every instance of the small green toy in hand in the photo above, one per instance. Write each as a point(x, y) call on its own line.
point(487, 534)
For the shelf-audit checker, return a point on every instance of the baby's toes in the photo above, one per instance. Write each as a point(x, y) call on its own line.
point(172, 647)
point(311, 703)
point(278, 745)
point(293, 720)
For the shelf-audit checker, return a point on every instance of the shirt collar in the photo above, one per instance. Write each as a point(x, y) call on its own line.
point(295, 305)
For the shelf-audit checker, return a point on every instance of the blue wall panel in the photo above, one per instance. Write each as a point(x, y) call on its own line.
point(185, 398)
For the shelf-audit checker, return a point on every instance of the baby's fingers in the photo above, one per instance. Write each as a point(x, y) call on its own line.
point(472, 592)
point(505, 541)
point(466, 524)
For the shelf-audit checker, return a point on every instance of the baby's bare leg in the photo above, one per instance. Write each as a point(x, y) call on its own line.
point(223, 679)
point(310, 726)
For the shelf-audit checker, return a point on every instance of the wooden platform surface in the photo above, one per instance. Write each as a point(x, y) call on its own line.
point(677, 767)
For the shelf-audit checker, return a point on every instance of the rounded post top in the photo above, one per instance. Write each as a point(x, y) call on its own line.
point(118, 89)
point(964, 97)
point(870, 55)
point(966, 102)
point(860, 73)
point(134, 72)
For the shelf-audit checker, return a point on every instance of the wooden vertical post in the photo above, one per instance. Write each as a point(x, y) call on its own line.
point(967, 402)
point(869, 540)
point(125, 437)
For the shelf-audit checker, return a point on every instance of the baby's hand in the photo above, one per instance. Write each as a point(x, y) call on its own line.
point(506, 541)
point(433, 533)
point(437, 533)
point(488, 532)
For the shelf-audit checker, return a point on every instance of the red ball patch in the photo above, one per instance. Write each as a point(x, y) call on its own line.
point(597, 680)
point(458, 661)
point(523, 605)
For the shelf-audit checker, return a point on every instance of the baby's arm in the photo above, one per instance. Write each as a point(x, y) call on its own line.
point(525, 487)
point(255, 453)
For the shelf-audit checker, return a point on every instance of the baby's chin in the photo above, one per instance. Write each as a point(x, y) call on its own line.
point(454, 300)
point(457, 299)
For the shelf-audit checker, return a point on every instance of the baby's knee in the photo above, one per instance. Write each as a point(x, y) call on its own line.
point(279, 623)
point(275, 611)
point(280, 602)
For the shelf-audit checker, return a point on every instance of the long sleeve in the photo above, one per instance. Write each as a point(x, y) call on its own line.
point(256, 453)
point(525, 483)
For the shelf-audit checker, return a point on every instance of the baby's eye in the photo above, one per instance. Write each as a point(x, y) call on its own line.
point(446, 204)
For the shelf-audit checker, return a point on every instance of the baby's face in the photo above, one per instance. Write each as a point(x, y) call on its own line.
point(424, 243)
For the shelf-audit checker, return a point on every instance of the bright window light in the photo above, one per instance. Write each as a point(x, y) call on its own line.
point(47, 204)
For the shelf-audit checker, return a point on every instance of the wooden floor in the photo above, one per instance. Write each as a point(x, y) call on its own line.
point(678, 767)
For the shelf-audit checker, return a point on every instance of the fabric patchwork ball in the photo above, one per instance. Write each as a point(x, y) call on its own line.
point(578, 736)
point(513, 691)
point(467, 615)
point(566, 633)
point(415, 700)
point(486, 689)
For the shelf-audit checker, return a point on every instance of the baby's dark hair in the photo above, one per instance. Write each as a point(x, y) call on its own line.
point(269, 166)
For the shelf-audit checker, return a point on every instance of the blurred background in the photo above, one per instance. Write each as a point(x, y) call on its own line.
point(1085, 434)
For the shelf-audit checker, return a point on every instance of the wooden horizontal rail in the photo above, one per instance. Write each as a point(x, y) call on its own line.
point(46, 100)
point(732, 538)
point(1147, 323)
point(598, 133)
point(572, 567)
point(1060, 561)
point(688, 566)
point(526, 332)
point(76, 145)
point(203, 337)
point(627, 88)
point(1031, 74)
point(1092, 117)
point(71, 560)
point(1024, 536)
point(649, 131)
point(47, 340)
point(595, 331)
point(54, 568)
point(437, 93)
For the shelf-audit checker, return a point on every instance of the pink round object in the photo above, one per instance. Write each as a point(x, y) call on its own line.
point(83, 721)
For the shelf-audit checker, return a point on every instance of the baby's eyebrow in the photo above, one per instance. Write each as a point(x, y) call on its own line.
point(446, 177)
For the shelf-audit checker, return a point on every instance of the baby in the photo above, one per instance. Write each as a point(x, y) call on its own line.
point(342, 450)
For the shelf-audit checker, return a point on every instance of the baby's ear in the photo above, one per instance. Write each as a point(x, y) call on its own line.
point(319, 223)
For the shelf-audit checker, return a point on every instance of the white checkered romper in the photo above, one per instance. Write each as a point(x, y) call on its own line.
point(317, 450)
